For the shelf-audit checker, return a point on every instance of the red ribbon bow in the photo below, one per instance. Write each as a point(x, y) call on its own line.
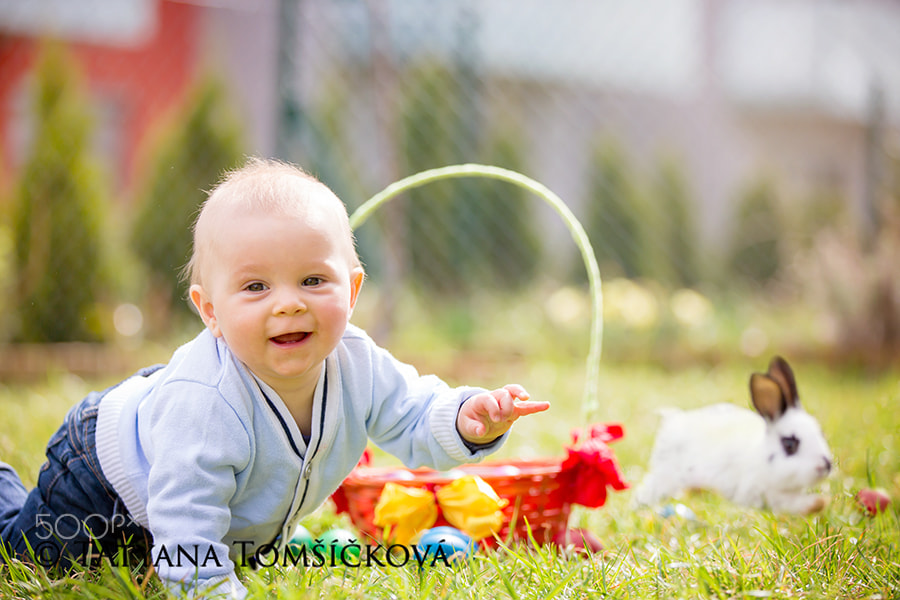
point(591, 466)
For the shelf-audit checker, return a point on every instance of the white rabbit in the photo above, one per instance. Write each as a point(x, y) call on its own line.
point(759, 460)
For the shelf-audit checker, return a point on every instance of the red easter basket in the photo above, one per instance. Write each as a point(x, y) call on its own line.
point(540, 492)
point(531, 487)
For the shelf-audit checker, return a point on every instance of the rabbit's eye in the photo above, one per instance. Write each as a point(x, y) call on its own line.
point(790, 444)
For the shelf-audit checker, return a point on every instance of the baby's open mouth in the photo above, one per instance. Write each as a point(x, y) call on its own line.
point(290, 338)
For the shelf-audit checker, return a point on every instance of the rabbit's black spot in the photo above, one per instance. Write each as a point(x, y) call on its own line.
point(790, 444)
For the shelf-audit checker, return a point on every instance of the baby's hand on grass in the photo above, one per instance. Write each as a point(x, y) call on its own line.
point(486, 416)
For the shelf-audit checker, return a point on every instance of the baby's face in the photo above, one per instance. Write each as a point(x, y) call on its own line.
point(280, 289)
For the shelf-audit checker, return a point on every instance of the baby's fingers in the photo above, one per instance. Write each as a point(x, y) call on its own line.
point(513, 402)
point(507, 399)
point(517, 391)
point(528, 407)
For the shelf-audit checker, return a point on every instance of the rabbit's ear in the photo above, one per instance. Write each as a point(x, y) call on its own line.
point(768, 399)
point(781, 372)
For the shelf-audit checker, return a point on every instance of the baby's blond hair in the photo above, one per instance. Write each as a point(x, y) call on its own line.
point(265, 185)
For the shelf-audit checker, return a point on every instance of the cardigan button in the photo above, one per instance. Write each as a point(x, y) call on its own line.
point(308, 471)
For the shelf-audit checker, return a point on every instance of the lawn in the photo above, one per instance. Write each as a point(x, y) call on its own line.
point(717, 551)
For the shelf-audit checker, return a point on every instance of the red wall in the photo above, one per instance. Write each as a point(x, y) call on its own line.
point(145, 81)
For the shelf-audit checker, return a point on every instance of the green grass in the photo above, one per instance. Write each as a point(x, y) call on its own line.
point(725, 552)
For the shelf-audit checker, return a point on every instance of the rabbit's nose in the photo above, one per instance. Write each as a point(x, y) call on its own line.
point(826, 465)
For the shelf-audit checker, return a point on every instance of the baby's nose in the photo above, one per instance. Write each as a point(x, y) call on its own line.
point(289, 302)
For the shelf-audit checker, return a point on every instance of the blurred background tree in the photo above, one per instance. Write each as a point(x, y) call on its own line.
point(430, 123)
point(618, 221)
point(326, 130)
point(8, 302)
point(481, 230)
point(60, 203)
point(852, 278)
point(509, 244)
point(756, 243)
point(203, 141)
point(677, 225)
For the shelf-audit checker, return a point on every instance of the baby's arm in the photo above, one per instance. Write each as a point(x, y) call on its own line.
point(484, 417)
point(197, 447)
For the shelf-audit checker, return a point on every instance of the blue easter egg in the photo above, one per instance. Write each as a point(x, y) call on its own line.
point(680, 510)
point(445, 545)
point(666, 511)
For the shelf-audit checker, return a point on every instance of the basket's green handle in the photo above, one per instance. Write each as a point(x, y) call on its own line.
point(590, 400)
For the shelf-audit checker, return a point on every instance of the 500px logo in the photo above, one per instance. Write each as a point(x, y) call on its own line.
point(68, 537)
point(68, 527)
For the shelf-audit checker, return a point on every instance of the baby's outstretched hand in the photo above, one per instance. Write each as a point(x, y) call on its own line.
point(485, 417)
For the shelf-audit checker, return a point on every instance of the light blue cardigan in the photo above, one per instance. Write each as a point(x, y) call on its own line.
point(202, 452)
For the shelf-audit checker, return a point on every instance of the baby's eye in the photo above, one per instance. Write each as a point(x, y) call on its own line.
point(256, 287)
point(312, 281)
point(790, 444)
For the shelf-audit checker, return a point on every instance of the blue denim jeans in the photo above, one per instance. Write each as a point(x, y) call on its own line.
point(73, 515)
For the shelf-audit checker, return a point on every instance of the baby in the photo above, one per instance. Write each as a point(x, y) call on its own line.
point(256, 421)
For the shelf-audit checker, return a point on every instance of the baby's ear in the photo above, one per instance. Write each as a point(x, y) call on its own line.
point(357, 276)
point(205, 307)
